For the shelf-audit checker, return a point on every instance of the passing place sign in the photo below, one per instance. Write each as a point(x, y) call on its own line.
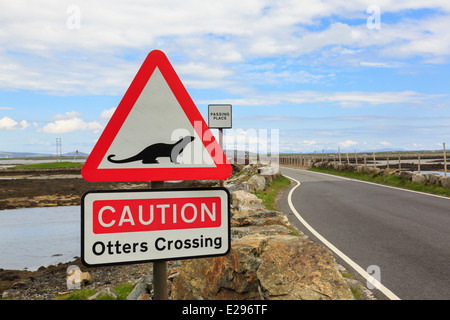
point(130, 226)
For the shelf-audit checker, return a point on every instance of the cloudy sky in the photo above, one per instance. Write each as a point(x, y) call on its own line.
point(322, 74)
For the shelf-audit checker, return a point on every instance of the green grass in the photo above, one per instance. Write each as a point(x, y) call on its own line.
point(347, 275)
point(81, 294)
point(356, 293)
point(390, 180)
point(49, 165)
point(269, 194)
point(123, 290)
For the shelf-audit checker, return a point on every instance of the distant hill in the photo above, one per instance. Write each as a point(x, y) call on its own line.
point(6, 154)
point(73, 153)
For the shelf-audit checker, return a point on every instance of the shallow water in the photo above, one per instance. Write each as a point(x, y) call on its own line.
point(427, 172)
point(31, 237)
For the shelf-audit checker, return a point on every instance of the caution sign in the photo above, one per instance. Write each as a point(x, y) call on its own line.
point(156, 133)
point(148, 225)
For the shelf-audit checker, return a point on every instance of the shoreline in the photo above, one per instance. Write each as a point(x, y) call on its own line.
point(60, 187)
point(47, 283)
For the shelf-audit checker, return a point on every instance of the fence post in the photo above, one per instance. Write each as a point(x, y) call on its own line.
point(339, 150)
point(445, 162)
point(418, 166)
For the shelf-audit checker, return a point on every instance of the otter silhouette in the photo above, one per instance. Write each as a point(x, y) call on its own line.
point(157, 150)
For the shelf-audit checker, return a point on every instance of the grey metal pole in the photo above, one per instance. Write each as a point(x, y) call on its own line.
point(159, 267)
point(221, 147)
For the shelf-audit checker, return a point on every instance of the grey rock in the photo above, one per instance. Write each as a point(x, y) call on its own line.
point(419, 178)
point(143, 286)
point(445, 181)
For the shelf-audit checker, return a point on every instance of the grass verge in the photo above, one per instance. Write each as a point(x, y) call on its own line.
point(48, 165)
point(83, 294)
point(270, 193)
point(390, 180)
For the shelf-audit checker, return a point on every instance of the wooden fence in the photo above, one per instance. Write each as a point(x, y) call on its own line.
point(407, 161)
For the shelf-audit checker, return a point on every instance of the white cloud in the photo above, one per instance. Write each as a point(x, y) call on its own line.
point(426, 38)
point(309, 142)
point(6, 123)
point(385, 143)
point(348, 143)
point(204, 40)
point(107, 114)
point(379, 64)
point(66, 116)
point(70, 125)
point(344, 99)
point(70, 122)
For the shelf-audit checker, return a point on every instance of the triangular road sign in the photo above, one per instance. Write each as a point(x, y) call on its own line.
point(156, 133)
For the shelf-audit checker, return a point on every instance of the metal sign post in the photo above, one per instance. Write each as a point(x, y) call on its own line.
point(159, 267)
point(220, 117)
point(221, 147)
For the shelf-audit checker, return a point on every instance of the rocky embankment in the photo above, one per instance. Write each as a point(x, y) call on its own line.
point(269, 259)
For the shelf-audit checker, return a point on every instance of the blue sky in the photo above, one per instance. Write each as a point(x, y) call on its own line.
point(358, 75)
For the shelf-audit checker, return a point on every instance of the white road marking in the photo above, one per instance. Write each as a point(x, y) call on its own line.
point(388, 293)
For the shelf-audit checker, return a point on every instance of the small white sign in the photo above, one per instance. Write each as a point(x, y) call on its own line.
point(219, 116)
point(131, 226)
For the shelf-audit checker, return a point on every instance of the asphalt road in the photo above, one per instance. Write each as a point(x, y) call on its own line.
point(402, 238)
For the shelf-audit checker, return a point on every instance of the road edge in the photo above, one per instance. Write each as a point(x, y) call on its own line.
point(388, 293)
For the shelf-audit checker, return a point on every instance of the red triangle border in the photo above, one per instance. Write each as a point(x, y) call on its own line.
point(92, 173)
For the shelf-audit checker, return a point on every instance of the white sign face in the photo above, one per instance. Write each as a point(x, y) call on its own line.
point(219, 116)
point(122, 226)
point(142, 128)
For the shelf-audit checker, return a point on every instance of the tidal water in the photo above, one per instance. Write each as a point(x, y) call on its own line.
point(34, 237)
point(426, 172)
